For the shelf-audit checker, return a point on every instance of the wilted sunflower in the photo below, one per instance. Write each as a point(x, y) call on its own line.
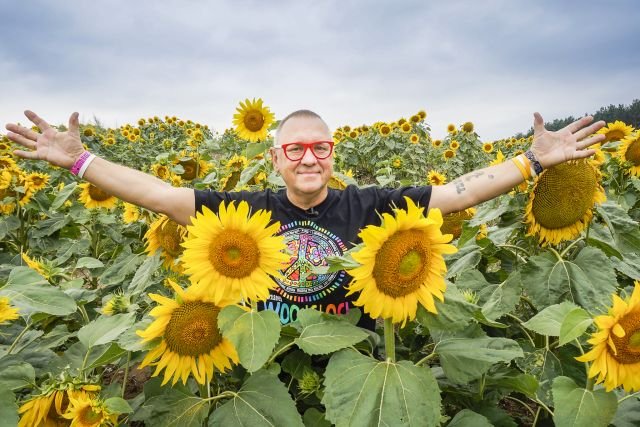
point(561, 203)
point(47, 409)
point(436, 178)
point(89, 411)
point(191, 341)
point(452, 222)
point(384, 129)
point(615, 355)
point(193, 168)
point(6, 311)
point(253, 120)
point(487, 147)
point(616, 131)
point(629, 151)
point(337, 183)
point(167, 235)
point(230, 180)
point(401, 264)
point(93, 197)
point(37, 181)
point(231, 255)
point(467, 127)
point(448, 154)
point(414, 138)
point(37, 265)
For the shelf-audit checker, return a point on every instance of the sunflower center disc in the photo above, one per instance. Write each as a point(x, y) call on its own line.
point(89, 417)
point(633, 152)
point(97, 194)
point(401, 263)
point(254, 120)
point(564, 194)
point(193, 329)
point(189, 167)
point(170, 239)
point(234, 254)
point(614, 135)
point(628, 346)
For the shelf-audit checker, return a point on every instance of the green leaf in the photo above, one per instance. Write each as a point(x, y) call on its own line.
point(50, 225)
point(513, 380)
point(7, 225)
point(228, 315)
point(174, 408)
point(142, 279)
point(629, 265)
point(254, 334)
point(466, 258)
point(296, 363)
point(548, 321)
point(63, 195)
point(8, 408)
point(89, 262)
point(322, 333)
point(15, 374)
point(262, 401)
point(502, 298)
point(103, 355)
point(464, 359)
point(362, 391)
point(575, 406)
point(256, 148)
point(574, 325)
point(545, 366)
point(314, 418)
point(131, 341)
point(105, 329)
point(624, 229)
point(628, 413)
point(25, 276)
point(490, 210)
point(454, 313)
point(38, 298)
point(124, 265)
point(117, 405)
point(468, 418)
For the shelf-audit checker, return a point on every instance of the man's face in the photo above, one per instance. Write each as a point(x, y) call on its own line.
point(308, 176)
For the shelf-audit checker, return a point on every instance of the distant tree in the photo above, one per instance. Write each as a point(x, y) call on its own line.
point(630, 114)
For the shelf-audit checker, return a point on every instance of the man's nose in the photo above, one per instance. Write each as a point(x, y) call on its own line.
point(308, 158)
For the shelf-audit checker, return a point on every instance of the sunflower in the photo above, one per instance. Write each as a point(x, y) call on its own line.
point(560, 205)
point(384, 129)
point(615, 355)
point(37, 265)
point(487, 147)
point(406, 127)
point(422, 114)
point(253, 120)
point(131, 213)
point(414, 138)
point(436, 178)
point(436, 143)
point(353, 134)
point(229, 181)
point(629, 151)
point(47, 409)
point(237, 162)
point(499, 159)
point(6, 311)
point(37, 181)
point(7, 163)
point(396, 162)
point(401, 264)
point(88, 131)
point(231, 255)
point(467, 127)
point(415, 118)
point(88, 411)
point(167, 235)
point(451, 128)
point(160, 170)
point(119, 303)
point(454, 145)
point(337, 183)
point(5, 145)
point(448, 154)
point(616, 131)
point(5, 179)
point(193, 167)
point(452, 222)
point(93, 197)
point(191, 342)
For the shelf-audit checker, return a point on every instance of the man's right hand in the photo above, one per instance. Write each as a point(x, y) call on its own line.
point(58, 148)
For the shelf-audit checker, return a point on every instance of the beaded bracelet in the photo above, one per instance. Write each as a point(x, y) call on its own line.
point(537, 167)
point(79, 162)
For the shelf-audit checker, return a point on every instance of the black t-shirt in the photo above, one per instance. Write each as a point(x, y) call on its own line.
point(331, 228)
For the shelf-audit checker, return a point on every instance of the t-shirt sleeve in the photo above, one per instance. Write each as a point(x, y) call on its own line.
point(212, 199)
point(396, 197)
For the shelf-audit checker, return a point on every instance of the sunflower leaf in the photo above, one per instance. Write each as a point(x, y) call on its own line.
point(28, 291)
point(322, 333)
point(173, 408)
point(574, 324)
point(362, 391)
point(15, 374)
point(254, 335)
point(262, 401)
point(576, 406)
point(105, 329)
point(8, 408)
point(549, 321)
point(467, 417)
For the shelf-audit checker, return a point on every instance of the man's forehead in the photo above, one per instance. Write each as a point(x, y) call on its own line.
point(304, 129)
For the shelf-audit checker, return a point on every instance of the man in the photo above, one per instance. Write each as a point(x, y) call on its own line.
point(316, 221)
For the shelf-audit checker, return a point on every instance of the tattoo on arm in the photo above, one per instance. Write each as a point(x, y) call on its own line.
point(472, 175)
point(459, 185)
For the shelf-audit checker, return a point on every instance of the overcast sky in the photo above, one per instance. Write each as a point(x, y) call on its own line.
point(353, 62)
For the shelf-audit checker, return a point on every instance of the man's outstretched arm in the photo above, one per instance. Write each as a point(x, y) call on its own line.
point(550, 149)
point(63, 149)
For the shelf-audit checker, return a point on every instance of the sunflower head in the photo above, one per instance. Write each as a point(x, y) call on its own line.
point(448, 154)
point(406, 127)
point(487, 147)
point(252, 120)
point(7, 312)
point(37, 181)
point(167, 235)
point(232, 255)
point(191, 342)
point(452, 222)
point(436, 143)
point(93, 197)
point(396, 162)
point(561, 203)
point(131, 213)
point(384, 129)
point(615, 353)
point(467, 127)
point(451, 128)
point(88, 411)
point(401, 264)
point(629, 151)
point(414, 138)
point(436, 178)
point(454, 145)
point(422, 114)
point(499, 159)
point(615, 131)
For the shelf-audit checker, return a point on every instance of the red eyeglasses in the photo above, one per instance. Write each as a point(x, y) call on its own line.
point(295, 151)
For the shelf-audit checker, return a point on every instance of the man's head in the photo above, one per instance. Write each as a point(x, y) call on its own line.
point(306, 178)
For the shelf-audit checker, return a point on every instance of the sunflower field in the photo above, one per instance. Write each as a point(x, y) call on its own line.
point(522, 311)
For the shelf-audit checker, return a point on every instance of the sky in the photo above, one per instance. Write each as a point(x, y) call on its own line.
point(354, 62)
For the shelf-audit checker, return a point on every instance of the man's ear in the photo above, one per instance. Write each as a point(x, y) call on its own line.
point(274, 158)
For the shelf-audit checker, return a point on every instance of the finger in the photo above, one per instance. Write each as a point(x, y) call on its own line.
point(579, 124)
point(37, 120)
point(25, 142)
point(74, 124)
point(538, 123)
point(31, 155)
point(584, 132)
point(583, 154)
point(587, 142)
point(26, 132)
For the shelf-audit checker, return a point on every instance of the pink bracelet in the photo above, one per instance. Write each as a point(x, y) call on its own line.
point(78, 164)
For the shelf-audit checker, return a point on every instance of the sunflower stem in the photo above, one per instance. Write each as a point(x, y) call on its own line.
point(15, 342)
point(389, 340)
point(523, 404)
point(563, 253)
point(590, 383)
point(126, 374)
point(628, 396)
